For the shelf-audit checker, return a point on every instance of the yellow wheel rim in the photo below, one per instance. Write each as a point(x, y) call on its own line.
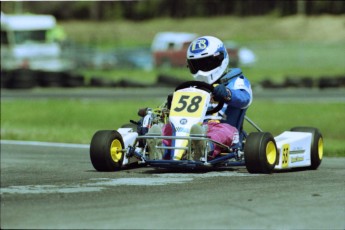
point(271, 152)
point(115, 150)
point(320, 148)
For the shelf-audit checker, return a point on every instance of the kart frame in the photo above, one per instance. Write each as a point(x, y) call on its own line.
point(223, 160)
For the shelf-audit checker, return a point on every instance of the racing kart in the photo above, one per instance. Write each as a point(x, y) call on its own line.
point(259, 152)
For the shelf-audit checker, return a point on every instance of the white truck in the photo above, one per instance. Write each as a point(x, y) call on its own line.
point(25, 43)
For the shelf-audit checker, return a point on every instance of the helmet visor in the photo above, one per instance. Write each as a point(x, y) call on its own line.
point(205, 64)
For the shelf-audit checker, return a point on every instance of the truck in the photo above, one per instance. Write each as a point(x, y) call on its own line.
point(25, 43)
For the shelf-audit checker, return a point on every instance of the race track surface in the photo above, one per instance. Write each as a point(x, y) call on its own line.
point(306, 95)
point(54, 186)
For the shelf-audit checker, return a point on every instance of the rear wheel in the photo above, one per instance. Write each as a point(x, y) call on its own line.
point(260, 152)
point(316, 148)
point(106, 150)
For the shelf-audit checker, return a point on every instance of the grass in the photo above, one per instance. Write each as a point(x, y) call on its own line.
point(75, 121)
point(297, 46)
point(277, 60)
point(122, 33)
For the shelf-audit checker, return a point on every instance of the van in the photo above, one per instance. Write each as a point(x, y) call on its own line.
point(169, 48)
point(25, 43)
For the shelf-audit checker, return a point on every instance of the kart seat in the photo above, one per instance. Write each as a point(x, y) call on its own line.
point(236, 119)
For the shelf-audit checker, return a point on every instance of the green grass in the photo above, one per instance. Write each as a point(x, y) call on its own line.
point(122, 33)
point(284, 46)
point(75, 121)
point(277, 60)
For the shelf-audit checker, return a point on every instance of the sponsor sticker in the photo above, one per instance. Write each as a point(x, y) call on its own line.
point(183, 121)
point(296, 159)
point(199, 45)
point(182, 129)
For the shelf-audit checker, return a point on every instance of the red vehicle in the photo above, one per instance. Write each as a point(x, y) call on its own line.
point(169, 49)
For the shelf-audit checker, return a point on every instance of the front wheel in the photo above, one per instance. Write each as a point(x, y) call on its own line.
point(106, 150)
point(260, 152)
point(316, 148)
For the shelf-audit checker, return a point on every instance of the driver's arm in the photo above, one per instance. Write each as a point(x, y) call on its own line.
point(236, 93)
point(241, 92)
point(240, 98)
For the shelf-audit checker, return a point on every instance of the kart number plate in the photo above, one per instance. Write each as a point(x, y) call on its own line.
point(285, 155)
point(188, 104)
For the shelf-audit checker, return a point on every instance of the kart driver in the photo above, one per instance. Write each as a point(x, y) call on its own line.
point(208, 62)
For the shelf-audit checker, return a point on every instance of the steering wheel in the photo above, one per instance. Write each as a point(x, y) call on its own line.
point(203, 86)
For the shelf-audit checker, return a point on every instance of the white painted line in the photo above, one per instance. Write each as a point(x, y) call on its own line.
point(206, 175)
point(45, 144)
point(43, 189)
point(100, 184)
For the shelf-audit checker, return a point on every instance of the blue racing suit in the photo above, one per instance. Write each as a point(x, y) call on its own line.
point(234, 111)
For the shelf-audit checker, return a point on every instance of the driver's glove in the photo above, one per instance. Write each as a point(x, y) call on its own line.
point(222, 93)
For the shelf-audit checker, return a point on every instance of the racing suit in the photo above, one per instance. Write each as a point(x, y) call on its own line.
point(241, 97)
point(226, 126)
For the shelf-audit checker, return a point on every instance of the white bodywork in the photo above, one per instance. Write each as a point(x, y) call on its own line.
point(128, 137)
point(294, 149)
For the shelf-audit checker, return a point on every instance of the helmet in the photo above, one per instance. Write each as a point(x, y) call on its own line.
point(207, 59)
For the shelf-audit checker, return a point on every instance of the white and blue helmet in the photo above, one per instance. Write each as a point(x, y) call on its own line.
point(207, 59)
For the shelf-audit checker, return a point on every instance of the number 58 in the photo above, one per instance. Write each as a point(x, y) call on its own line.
point(190, 104)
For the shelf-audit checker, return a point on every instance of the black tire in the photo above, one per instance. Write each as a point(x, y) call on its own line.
point(167, 80)
point(316, 148)
point(22, 79)
point(72, 80)
point(105, 150)
point(51, 79)
point(260, 152)
point(102, 82)
point(131, 84)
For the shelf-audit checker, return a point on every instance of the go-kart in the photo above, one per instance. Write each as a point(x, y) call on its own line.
point(259, 152)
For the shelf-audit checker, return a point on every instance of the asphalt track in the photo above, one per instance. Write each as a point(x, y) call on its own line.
point(54, 186)
point(289, 94)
